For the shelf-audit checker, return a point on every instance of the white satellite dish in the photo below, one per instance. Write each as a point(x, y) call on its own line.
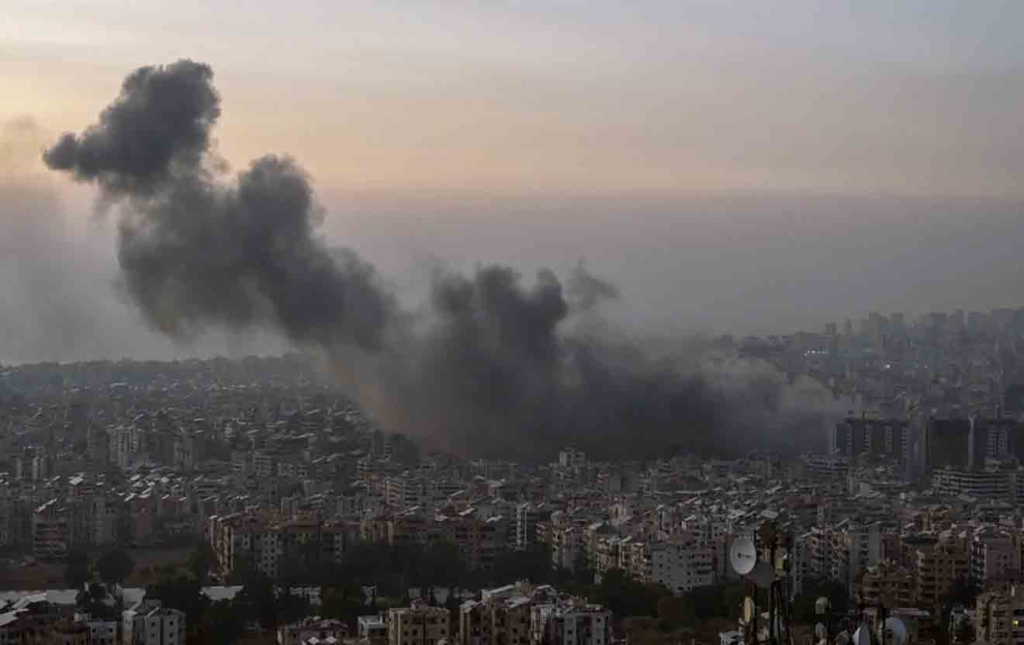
point(743, 555)
point(761, 575)
point(862, 636)
point(893, 632)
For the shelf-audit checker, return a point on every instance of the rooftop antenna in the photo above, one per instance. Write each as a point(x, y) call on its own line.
point(745, 558)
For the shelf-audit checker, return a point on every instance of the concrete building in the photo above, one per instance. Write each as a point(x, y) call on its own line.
point(995, 556)
point(372, 629)
point(419, 624)
point(50, 531)
point(570, 624)
point(69, 632)
point(986, 484)
point(999, 617)
point(501, 617)
point(937, 563)
point(680, 564)
point(148, 623)
point(886, 583)
point(101, 632)
point(528, 515)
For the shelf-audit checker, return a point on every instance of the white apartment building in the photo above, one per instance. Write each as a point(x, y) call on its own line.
point(680, 565)
point(148, 623)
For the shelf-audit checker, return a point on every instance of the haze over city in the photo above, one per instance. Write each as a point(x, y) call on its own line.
point(731, 168)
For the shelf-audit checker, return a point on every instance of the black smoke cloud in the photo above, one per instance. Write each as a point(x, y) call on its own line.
point(196, 251)
point(492, 365)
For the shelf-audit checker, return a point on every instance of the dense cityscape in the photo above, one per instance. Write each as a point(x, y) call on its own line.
point(216, 501)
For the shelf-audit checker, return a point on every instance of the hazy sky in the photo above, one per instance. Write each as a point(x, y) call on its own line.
point(742, 165)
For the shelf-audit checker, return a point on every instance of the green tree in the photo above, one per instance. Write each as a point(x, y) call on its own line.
point(182, 593)
point(627, 597)
point(95, 599)
point(222, 622)
point(202, 562)
point(342, 600)
point(257, 601)
point(76, 572)
point(115, 566)
point(674, 613)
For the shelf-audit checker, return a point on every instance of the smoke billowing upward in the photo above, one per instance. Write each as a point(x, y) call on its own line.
point(195, 251)
point(491, 366)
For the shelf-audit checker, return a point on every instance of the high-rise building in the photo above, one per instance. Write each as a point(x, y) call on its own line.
point(50, 531)
point(949, 444)
point(876, 438)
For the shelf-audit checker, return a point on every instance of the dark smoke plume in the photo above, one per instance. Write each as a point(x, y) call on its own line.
point(493, 367)
point(194, 251)
point(586, 290)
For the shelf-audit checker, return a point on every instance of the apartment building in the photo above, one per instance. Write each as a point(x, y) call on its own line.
point(999, 616)
point(50, 531)
point(995, 555)
point(570, 623)
point(149, 623)
point(419, 624)
point(500, 617)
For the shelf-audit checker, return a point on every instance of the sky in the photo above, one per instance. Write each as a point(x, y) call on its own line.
point(732, 165)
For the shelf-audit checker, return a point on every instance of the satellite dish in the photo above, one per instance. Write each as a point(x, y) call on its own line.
point(820, 631)
point(749, 609)
point(743, 555)
point(761, 575)
point(893, 632)
point(862, 636)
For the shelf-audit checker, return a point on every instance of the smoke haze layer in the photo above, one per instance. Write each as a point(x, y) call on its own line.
point(491, 365)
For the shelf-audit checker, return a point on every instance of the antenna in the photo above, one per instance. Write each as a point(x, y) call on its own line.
point(743, 555)
point(748, 609)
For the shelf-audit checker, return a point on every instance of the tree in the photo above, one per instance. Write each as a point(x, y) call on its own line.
point(76, 572)
point(202, 561)
point(94, 599)
point(184, 594)
point(257, 601)
point(624, 596)
point(964, 593)
point(673, 613)
point(114, 566)
point(343, 600)
point(222, 622)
